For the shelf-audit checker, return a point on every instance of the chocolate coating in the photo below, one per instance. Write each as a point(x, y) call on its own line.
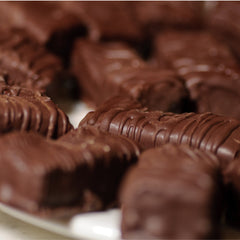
point(82, 174)
point(108, 156)
point(168, 183)
point(223, 21)
point(115, 69)
point(132, 21)
point(208, 67)
point(56, 30)
point(26, 110)
point(107, 20)
point(24, 62)
point(205, 131)
point(168, 14)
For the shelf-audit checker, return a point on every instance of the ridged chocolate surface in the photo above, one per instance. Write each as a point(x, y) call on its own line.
point(114, 69)
point(208, 67)
point(170, 182)
point(57, 29)
point(74, 172)
point(205, 131)
point(26, 110)
point(24, 62)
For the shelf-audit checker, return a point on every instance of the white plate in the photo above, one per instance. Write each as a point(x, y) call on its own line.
point(87, 226)
point(76, 111)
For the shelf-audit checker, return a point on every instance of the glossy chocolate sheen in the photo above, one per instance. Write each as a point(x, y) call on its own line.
point(109, 157)
point(168, 183)
point(208, 67)
point(223, 20)
point(82, 174)
point(56, 29)
point(115, 69)
point(24, 62)
point(26, 110)
point(206, 131)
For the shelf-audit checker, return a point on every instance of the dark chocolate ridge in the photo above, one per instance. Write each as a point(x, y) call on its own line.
point(27, 110)
point(205, 131)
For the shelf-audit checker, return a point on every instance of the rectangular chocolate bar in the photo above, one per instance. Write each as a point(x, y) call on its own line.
point(48, 22)
point(23, 109)
point(24, 62)
point(57, 177)
point(109, 69)
point(173, 193)
point(207, 66)
point(205, 131)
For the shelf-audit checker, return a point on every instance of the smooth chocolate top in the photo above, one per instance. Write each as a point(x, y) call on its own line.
point(208, 67)
point(27, 161)
point(167, 182)
point(180, 156)
point(92, 140)
point(24, 62)
point(205, 131)
point(26, 110)
point(180, 48)
point(116, 69)
point(79, 170)
point(107, 158)
point(103, 68)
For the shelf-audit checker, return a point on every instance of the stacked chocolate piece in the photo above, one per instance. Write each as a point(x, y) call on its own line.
point(164, 80)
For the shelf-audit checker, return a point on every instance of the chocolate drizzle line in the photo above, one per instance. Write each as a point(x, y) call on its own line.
point(25, 110)
point(205, 131)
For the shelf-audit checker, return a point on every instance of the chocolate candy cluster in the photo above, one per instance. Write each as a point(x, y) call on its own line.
point(163, 79)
